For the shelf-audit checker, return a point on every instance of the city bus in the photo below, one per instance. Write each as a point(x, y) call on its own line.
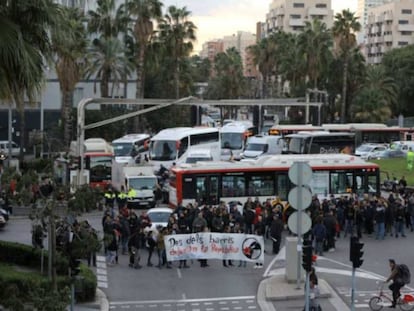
point(129, 146)
point(174, 144)
point(372, 132)
point(233, 137)
point(212, 182)
point(99, 165)
point(286, 129)
point(320, 142)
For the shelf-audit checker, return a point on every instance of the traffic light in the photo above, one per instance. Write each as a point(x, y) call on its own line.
point(307, 252)
point(355, 252)
point(75, 267)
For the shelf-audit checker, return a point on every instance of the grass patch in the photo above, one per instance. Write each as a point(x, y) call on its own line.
point(396, 167)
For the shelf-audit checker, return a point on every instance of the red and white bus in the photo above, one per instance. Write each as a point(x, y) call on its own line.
point(372, 132)
point(286, 129)
point(267, 177)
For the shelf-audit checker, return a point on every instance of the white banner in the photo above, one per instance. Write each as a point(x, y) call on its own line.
point(209, 245)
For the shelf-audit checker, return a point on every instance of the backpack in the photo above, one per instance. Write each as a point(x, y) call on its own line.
point(404, 273)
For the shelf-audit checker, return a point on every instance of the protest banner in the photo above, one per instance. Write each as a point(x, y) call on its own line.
point(209, 245)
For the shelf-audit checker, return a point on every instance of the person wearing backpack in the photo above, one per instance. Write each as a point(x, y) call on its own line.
point(400, 275)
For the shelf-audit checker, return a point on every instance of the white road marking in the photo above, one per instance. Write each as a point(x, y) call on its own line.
point(140, 302)
point(280, 256)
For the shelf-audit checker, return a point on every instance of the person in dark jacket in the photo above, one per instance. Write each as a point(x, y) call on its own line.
point(276, 229)
point(330, 224)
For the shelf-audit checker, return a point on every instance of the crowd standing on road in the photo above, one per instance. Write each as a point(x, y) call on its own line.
point(129, 231)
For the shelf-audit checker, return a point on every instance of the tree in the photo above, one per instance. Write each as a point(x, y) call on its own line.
point(107, 55)
point(107, 61)
point(399, 65)
point(314, 44)
point(229, 81)
point(344, 28)
point(177, 32)
point(69, 45)
point(142, 13)
point(376, 97)
point(23, 59)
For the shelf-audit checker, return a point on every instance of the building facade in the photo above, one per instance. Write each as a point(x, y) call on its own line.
point(362, 14)
point(389, 26)
point(290, 15)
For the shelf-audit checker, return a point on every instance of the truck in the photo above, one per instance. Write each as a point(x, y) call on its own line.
point(140, 178)
point(261, 145)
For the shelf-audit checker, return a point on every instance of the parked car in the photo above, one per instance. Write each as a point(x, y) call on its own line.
point(4, 148)
point(365, 151)
point(159, 216)
point(386, 154)
point(2, 222)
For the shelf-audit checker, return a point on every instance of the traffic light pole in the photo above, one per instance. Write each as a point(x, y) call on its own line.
point(72, 295)
point(299, 220)
point(353, 290)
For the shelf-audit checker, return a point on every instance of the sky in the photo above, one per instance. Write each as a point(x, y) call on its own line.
point(218, 18)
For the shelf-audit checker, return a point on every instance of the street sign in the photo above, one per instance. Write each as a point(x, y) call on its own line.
point(293, 222)
point(300, 198)
point(300, 173)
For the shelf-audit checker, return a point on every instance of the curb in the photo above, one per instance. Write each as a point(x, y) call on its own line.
point(102, 299)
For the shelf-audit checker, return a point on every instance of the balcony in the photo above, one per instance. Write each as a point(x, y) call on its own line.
point(388, 38)
point(407, 27)
point(279, 11)
point(318, 12)
point(388, 17)
point(296, 23)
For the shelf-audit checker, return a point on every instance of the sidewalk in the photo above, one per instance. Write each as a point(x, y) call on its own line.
point(278, 294)
point(100, 303)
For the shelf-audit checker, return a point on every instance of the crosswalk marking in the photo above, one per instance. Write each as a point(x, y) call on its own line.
point(101, 272)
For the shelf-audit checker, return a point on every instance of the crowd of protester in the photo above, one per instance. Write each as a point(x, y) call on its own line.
point(128, 231)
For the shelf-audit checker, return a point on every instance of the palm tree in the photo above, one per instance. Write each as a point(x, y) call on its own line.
point(23, 58)
point(314, 44)
point(143, 12)
point(178, 34)
point(70, 48)
point(344, 28)
point(378, 95)
point(107, 52)
point(107, 61)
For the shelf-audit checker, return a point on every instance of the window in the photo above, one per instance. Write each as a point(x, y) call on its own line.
point(403, 22)
point(406, 11)
point(295, 16)
point(341, 182)
point(402, 43)
point(298, 5)
point(260, 185)
point(321, 5)
point(283, 186)
point(198, 139)
point(406, 33)
point(320, 183)
point(233, 186)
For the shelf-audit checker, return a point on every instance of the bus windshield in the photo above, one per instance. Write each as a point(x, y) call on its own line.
point(100, 168)
point(122, 149)
point(232, 141)
point(163, 150)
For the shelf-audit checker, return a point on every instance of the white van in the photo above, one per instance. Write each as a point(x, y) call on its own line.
point(261, 145)
point(403, 145)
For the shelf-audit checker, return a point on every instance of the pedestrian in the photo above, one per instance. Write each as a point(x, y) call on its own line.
point(276, 229)
point(319, 235)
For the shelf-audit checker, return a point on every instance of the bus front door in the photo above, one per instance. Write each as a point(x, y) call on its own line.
point(207, 190)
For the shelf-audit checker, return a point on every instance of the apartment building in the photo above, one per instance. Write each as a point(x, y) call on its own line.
point(291, 15)
point(362, 14)
point(241, 41)
point(389, 26)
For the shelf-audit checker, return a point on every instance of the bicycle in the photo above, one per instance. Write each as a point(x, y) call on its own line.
point(381, 300)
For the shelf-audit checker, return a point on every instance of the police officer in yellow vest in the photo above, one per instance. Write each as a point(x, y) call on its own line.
point(122, 198)
point(410, 159)
point(109, 198)
point(132, 194)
